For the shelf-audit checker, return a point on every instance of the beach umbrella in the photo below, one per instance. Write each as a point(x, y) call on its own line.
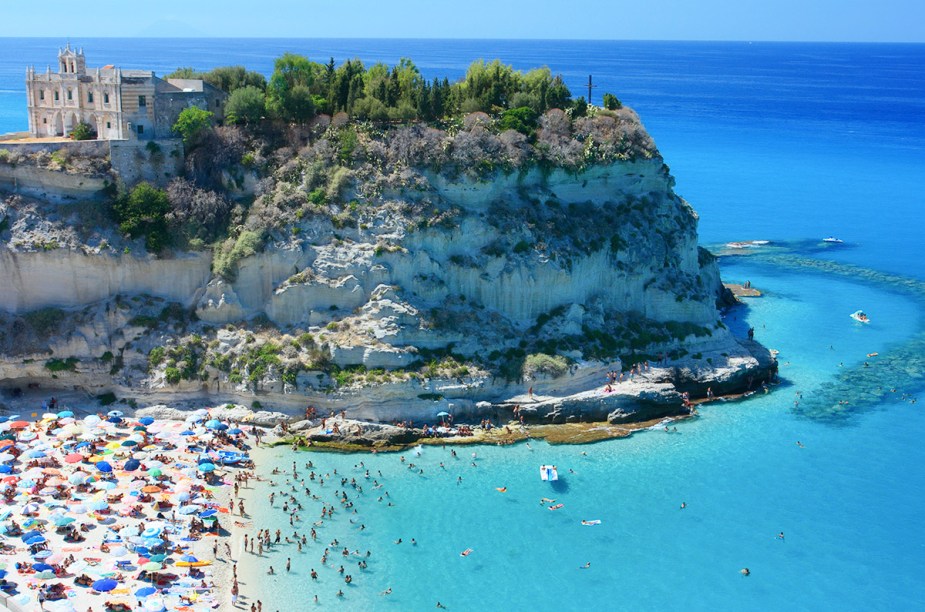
point(151, 532)
point(107, 584)
point(114, 419)
point(30, 534)
point(65, 414)
point(155, 472)
point(81, 445)
point(35, 540)
point(104, 466)
point(188, 559)
point(98, 504)
point(157, 558)
point(41, 567)
point(151, 489)
point(77, 478)
point(43, 554)
point(146, 420)
point(92, 419)
point(35, 454)
point(30, 508)
point(78, 566)
point(61, 521)
point(206, 467)
point(154, 605)
point(6, 469)
point(115, 413)
point(105, 485)
point(78, 509)
point(113, 446)
point(131, 465)
point(27, 435)
point(235, 431)
point(19, 424)
point(207, 513)
point(187, 432)
point(6, 442)
point(187, 510)
point(145, 592)
point(213, 423)
point(73, 458)
point(118, 552)
point(152, 566)
point(44, 574)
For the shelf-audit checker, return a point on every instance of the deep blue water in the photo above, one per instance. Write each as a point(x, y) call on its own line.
point(787, 142)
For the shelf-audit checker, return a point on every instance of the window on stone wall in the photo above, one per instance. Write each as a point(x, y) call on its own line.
point(108, 125)
point(57, 97)
point(89, 97)
point(70, 94)
point(105, 98)
point(142, 101)
point(141, 129)
point(45, 120)
point(41, 94)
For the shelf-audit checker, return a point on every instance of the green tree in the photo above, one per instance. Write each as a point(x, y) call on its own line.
point(289, 92)
point(184, 73)
point(611, 102)
point(192, 123)
point(245, 105)
point(579, 107)
point(143, 212)
point(82, 131)
point(232, 78)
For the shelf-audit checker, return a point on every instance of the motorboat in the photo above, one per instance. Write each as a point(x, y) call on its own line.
point(549, 472)
point(833, 240)
point(860, 316)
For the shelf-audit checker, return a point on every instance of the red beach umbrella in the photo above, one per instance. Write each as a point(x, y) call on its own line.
point(73, 458)
point(19, 424)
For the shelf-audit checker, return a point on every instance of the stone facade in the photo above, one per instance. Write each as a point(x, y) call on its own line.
point(117, 104)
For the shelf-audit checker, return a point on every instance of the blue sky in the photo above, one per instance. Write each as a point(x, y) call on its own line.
point(786, 20)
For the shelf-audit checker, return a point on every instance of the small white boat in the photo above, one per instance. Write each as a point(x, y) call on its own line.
point(833, 240)
point(860, 316)
point(548, 472)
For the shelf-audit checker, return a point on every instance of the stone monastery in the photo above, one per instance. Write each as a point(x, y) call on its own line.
point(117, 104)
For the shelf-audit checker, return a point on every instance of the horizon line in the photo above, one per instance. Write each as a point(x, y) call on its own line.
point(423, 38)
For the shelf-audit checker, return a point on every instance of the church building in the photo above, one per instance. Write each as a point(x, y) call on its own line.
point(117, 104)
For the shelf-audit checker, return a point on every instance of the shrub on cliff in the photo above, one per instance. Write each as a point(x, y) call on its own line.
point(553, 366)
point(143, 212)
point(234, 250)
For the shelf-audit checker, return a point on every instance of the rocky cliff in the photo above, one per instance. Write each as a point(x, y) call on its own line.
point(413, 271)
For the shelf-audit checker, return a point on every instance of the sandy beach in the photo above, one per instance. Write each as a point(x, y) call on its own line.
point(109, 512)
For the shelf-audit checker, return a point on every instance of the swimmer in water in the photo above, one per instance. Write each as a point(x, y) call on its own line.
point(683, 505)
point(800, 444)
point(780, 536)
point(745, 571)
point(586, 566)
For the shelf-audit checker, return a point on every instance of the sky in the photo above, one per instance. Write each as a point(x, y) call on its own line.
point(748, 20)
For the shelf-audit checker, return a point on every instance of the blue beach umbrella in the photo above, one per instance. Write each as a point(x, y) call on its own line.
point(42, 554)
point(187, 509)
point(131, 465)
point(146, 421)
point(115, 413)
point(98, 504)
point(206, 467)
point(207, 513)
point(65, 414)
point(35, 540)
point(115, 419)
point(145, 591)
point(187, 432)
point(31, 534)
point(6, 469)
point(107, 584)
point(235, 431)
point(213, 423)
point(104, 466)
point(188, 559)
point(41, 567)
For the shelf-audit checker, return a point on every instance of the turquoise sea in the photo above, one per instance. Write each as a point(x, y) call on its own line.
point(781, 142)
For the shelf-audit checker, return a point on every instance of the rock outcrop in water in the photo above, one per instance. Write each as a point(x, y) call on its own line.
point(414, 271)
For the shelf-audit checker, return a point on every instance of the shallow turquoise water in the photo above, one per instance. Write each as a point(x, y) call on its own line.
point(847, 502)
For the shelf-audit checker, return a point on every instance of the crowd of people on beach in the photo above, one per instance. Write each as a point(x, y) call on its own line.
point(109, 512)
